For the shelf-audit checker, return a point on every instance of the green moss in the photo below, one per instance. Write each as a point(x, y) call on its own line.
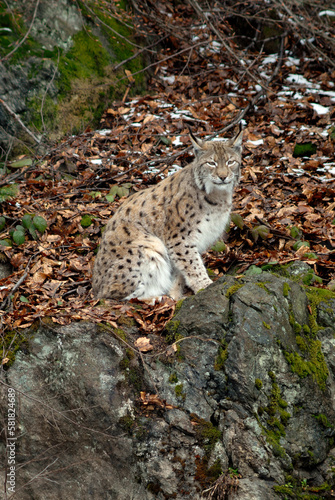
point(258, 384)
point(127, 423)
point(311, 362)
point(120, 333)
point(264, 287)
point(173, 379)
point(278, 417)
point(126, 321)
point(206, 433)
point(11, 343)
point(87, 57)
point(233, 289)
point(179, 391)
point(85, 78)
point(286, 491)
point(111, 29)
point(13, 21)
point(296, 326)
point(273, 440)
point(286, 289)
point(135, 378)
point(221, 357)
point(178, 305)
point(172, 331)
point(315, 366)
point(125, 362)
point(266, 325)
point(315, 297)
point(301, 343)
point(324, 421)
point(284, 416)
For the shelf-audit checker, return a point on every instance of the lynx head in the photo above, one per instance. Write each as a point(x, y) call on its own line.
point(217, 163)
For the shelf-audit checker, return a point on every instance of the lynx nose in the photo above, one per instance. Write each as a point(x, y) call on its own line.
point(227, 178)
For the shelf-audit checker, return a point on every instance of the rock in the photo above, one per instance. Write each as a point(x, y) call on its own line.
point(59, 71)
point(251, 393)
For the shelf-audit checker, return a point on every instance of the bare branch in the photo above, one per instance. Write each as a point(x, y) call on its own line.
point(25, 36)
point(18, 119)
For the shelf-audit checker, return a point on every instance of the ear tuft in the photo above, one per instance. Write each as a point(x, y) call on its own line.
point(198, 144)
point(237, 141)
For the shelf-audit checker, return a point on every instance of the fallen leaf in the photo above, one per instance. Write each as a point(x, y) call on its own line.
point(143, 344)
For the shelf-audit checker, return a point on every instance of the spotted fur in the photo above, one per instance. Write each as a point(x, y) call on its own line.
point(152, 245)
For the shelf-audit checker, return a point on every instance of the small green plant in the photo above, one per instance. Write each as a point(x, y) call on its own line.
point(119, 191)
point(219, 246)
point(30, 224)
point(295, 232)
point(86, 220)
point(233, 472)
point(237, 220)
point(7, 192)
point(260, 232)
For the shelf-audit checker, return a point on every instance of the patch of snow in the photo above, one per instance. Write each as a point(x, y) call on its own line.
point(177, 141)
point(169, 79)
point(270, 59)
point(96, 161)
point(174, 168)
point(298, 171)
point(256, 143)
point(320, 110)
point(301, 80)
point(292, 61)
point(327, 13)
point(104, 131)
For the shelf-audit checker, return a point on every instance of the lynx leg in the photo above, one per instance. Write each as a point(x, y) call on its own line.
point(178, 285)
point(154, 268)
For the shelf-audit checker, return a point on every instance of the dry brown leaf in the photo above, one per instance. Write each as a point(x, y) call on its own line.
point(143, 344)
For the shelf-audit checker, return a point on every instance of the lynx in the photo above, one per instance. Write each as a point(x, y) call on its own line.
point(152, 245)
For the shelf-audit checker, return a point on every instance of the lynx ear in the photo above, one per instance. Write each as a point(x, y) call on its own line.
point(237, 141)
point(198, 144)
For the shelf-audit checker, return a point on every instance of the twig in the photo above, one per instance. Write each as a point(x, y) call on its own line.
point(46, 91)
point(17, 285)
point(237, 57)
point(166, 58)
point(61, 413)
point(117, 66)
point(18, 119)
point(110, 28)
point(25, 36)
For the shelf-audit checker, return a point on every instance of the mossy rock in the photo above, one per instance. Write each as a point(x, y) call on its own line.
point(69, 83)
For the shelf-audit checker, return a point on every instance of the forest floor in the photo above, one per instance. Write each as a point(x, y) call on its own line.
point(284, 202)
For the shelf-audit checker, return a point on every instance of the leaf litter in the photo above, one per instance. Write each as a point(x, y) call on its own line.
point(286, 100)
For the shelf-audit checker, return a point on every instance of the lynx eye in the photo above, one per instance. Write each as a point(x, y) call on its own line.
point(230, 163)
point(212, 164)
